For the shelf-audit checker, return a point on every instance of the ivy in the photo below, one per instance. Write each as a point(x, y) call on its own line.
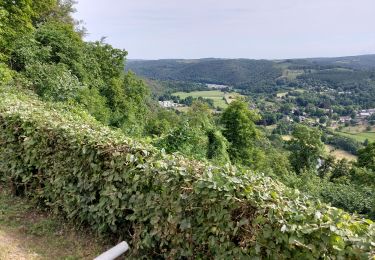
point(166, 206)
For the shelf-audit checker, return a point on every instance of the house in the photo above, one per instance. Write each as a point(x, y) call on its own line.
point(168, 104)
point(369, 111)
point(364, 114)
point(344, 119)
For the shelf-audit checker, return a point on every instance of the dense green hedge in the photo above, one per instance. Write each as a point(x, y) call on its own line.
point(165, 206)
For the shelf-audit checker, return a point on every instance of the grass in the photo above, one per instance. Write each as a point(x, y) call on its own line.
point(340, 154)
point(204, 94)
point(362, 128)
point(220, 98)
point(292, 74)
point(358, 133)
point(360, 137)
point(337, 153)
point(29, 233)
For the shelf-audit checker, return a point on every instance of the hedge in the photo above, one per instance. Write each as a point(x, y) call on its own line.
point(166, 206)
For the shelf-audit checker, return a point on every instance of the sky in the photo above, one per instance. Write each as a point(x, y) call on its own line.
point(255, 29)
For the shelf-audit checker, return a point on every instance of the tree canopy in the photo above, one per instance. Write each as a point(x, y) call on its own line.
point(306, 148)
point(241, 132)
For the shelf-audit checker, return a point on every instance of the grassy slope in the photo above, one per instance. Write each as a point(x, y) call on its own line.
point(28, 233)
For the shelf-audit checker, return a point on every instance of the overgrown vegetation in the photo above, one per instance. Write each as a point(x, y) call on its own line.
point(81, 136)
point(166, 206)
point(45, 52)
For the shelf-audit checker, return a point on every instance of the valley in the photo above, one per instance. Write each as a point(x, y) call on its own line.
point(213, 158)
point(334, 94)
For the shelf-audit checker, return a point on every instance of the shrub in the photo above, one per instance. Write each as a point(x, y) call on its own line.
point(6, 74)
point(366, 157)
point(217, 147)
point(53, 82)
point(350, 197)
point(164, 205)
point(186, 140)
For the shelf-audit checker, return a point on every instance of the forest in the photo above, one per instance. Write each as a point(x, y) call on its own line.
point(84, 136)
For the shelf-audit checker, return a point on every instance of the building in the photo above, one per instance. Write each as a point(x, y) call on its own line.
point(168, 104)
point(344, 119)
point(364, 114)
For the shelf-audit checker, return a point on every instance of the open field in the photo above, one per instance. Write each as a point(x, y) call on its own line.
point(340, 154)
point(360, 137)
point(292, 74)
point(220, 98)
point(362, 128)
point(204, 94)
point(358, 133)
point(337, 153)
point(27, 233)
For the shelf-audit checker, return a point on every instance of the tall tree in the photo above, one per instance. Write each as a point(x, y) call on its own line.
point(306, 148)
point(199, 115)
point(20, 17)
point(241, 132)
point(16, 19)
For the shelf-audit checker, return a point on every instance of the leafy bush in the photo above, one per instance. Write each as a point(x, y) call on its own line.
point(185, 139)
point(5, 74)
point(95, 104)
point(306, 147)
point(342, 192)
point(66, 45)
point(366, 157)
point(28, 51)
point(53, 82)
point(161, 121)
point(217, 149)
point(350, 197)
point(165, 206)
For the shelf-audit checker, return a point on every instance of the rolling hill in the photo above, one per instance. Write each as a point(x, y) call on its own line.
point(234, 72)
point(240, 72)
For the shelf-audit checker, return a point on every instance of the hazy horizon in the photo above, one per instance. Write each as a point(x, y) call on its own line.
point(256, 29)
point(287, 58)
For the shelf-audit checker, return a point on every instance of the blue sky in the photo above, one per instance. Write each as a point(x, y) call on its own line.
point(269, 29)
